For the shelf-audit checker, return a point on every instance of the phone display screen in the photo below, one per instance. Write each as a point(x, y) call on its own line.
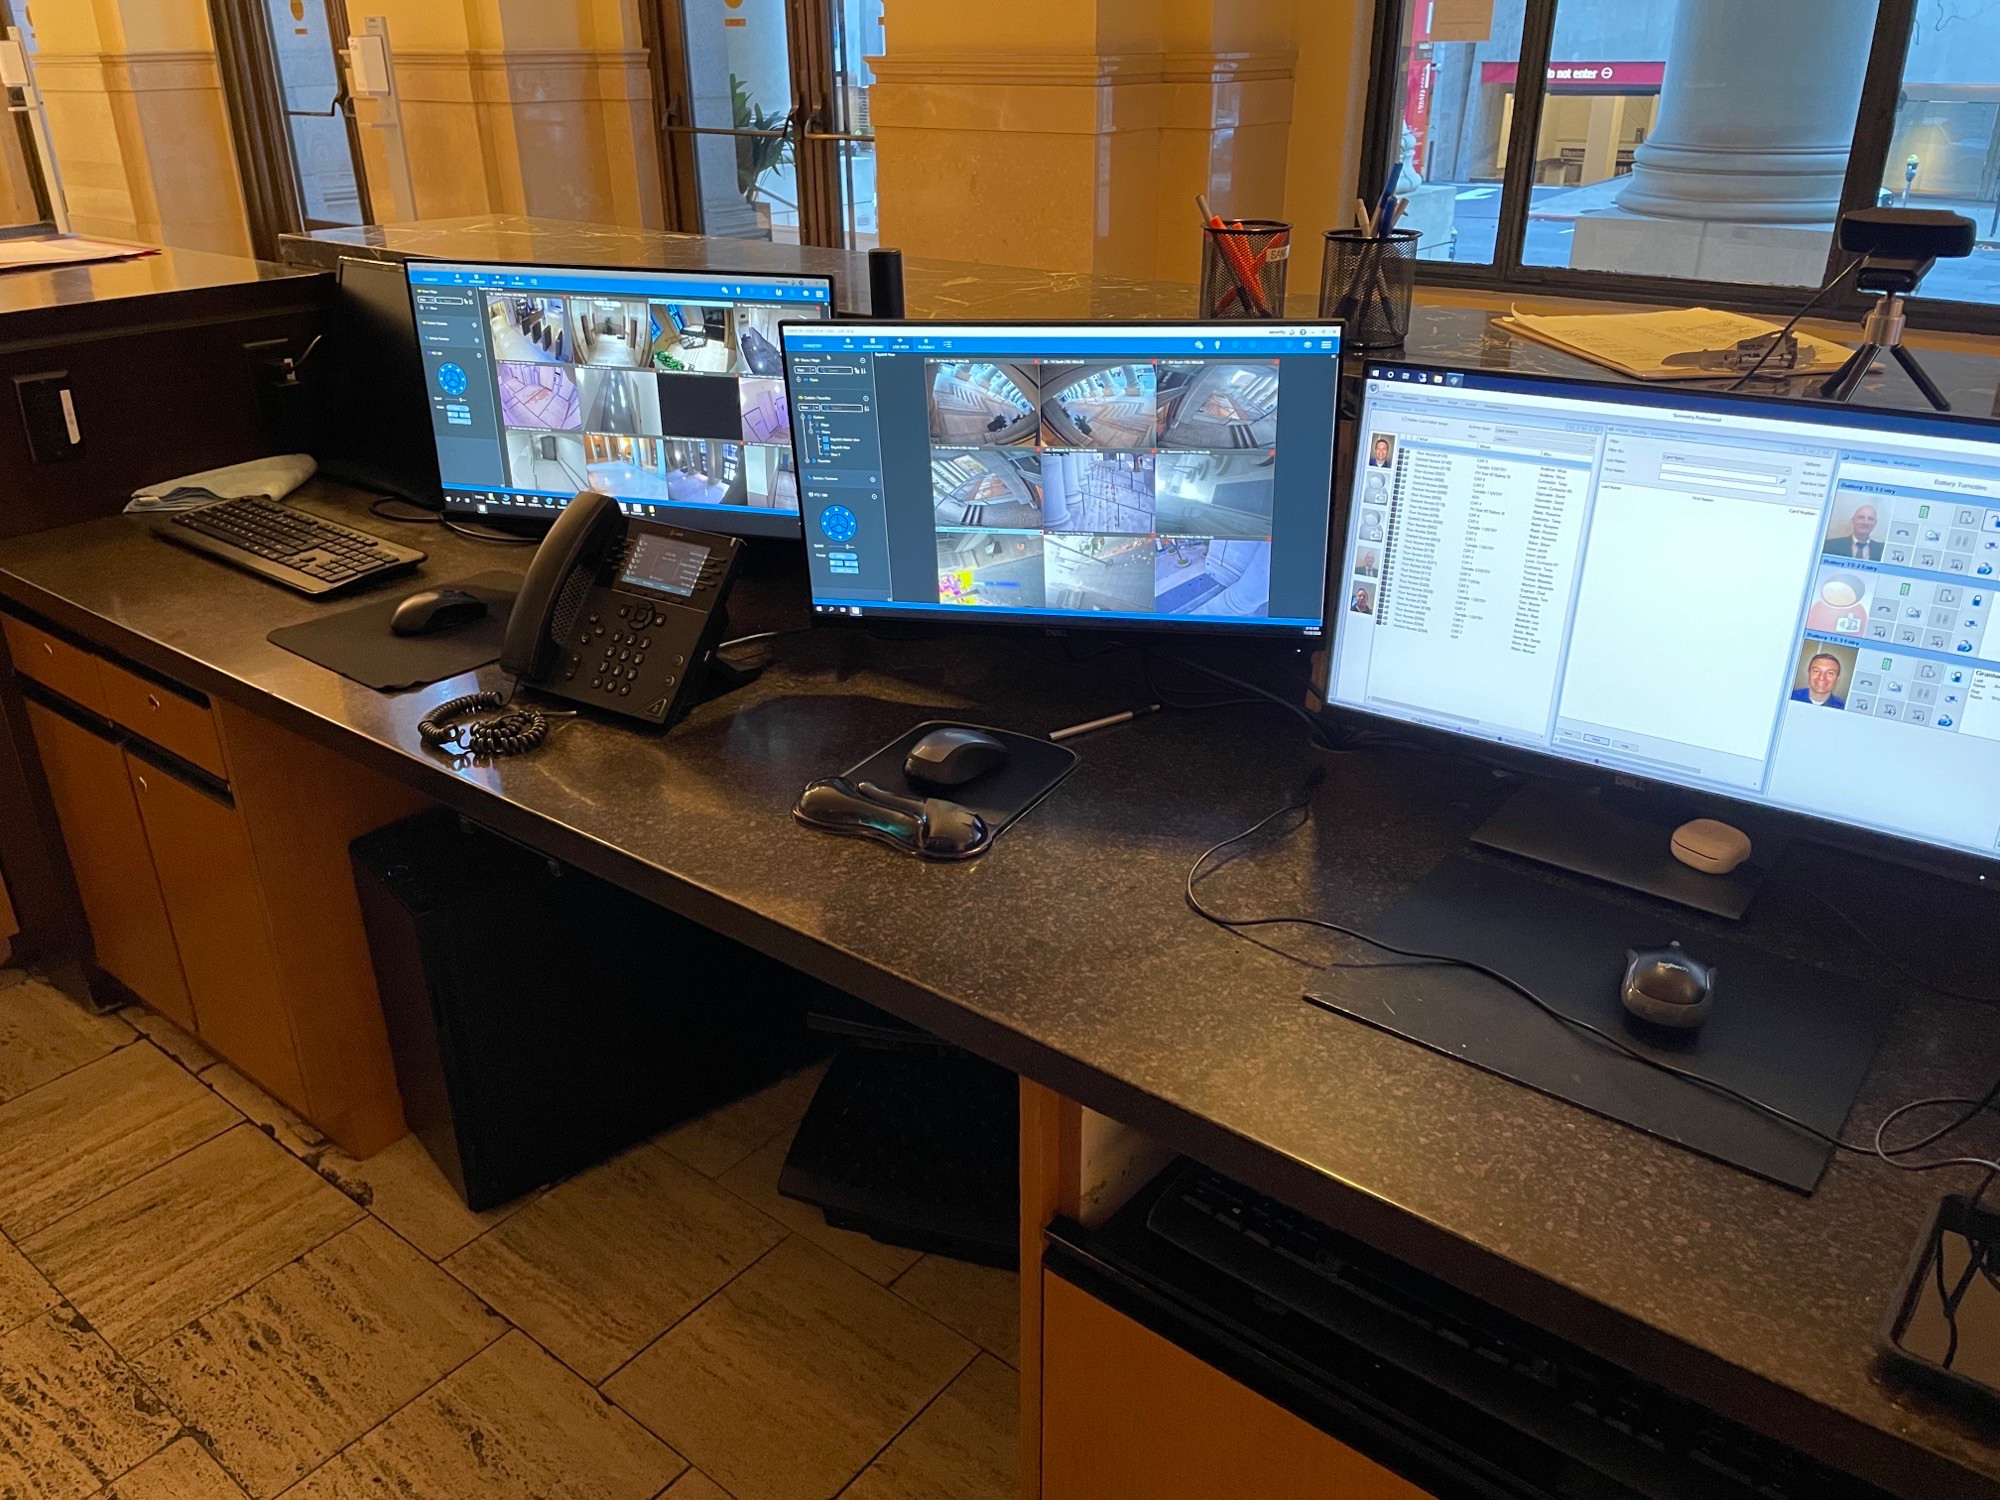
point(664, 564)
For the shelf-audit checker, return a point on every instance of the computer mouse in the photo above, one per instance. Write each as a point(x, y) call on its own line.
point(929, 827)
point(435, 610)
point(954, 755)
point(1669, 987)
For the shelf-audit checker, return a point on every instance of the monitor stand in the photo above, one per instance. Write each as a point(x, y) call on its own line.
point(1586, 831)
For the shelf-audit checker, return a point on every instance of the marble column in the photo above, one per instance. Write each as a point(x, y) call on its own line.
point(1756, 112)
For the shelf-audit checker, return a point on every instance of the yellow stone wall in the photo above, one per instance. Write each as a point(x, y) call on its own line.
point(138, 122)
point(1073, 135)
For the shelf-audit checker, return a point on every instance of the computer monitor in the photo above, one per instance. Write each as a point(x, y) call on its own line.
point(1783, 604)
point(1147, 476)
point(663, 389)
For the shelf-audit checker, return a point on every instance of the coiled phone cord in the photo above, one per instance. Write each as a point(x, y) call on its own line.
point(514, 732)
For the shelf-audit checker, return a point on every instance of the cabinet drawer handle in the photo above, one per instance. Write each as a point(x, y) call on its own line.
point(143, 786)
point(152, 702)
point(48, 649)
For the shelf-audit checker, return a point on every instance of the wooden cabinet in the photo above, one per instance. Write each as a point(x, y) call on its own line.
point(202, 859)
point(1128, 1415)
point(114, 868)
point(210, 850)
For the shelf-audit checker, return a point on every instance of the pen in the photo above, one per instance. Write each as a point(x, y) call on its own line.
point(1059, 735)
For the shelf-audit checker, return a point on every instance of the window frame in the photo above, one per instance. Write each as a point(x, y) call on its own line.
point(1875, 125)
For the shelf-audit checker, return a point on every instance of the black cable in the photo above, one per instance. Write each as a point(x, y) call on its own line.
point(514, 732)
point(1811, 302)
point(1315, 729)
point(429, 518)
point(1894, 962)
point(488, 536)
point(1875, 1148)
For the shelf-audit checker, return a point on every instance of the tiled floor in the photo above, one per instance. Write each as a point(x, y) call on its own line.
point(203, 1299)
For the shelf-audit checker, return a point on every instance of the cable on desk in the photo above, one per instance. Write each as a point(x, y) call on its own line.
point(488, 536)
point(1875, 1147)
point(513, 732)
point(428, 518)
point(1894, 962)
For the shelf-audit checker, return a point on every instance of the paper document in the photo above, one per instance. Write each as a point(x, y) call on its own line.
point(20, 255)
point(1639, 343)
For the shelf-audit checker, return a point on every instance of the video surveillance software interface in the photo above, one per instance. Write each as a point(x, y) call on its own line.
point(1790, 606)
point(664, 389)
point(1146, 475)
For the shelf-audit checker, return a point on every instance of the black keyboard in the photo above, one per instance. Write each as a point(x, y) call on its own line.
point(290, 547)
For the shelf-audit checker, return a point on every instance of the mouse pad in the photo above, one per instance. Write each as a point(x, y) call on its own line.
point(1035, 767)
point(1785, 1033)
point(358, 643)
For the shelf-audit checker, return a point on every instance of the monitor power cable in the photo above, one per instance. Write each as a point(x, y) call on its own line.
point(1970, 1108)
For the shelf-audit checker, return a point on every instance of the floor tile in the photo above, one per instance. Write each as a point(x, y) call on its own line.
point(72, 1416)
point(25, 1293)
point(787, 1382)
point(512, 1424)
point(72, 1141)
point(715, 1142)
point(182, 1472)
point(283, 1376)
point(162, 1250)
point(169, 1038)
point(977, 1301)
point(45, 1034)
point(266, 1113)
point(598, 1267)
point(965, 1446)
point(403, 1187)
point(695, 1485)
point(756, 1178)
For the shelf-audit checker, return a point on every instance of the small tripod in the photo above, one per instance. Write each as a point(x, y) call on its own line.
point(1882, 330)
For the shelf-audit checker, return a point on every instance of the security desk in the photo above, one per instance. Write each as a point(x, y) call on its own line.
point(1067, 955)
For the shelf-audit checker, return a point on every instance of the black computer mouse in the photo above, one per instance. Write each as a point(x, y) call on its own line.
point(435, 610)
point(954, 755)
point(1669, 987)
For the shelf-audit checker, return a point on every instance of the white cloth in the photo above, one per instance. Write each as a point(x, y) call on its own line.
point(276, 477)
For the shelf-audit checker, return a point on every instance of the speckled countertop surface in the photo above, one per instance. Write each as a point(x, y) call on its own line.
point(1067, 954)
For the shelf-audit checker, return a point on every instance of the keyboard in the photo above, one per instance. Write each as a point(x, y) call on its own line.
point(289, 547)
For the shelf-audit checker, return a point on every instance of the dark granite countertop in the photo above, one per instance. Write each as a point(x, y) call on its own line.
point(64, 301)
point(1068, 954)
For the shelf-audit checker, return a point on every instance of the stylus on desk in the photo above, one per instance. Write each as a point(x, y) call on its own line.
point(1057, 736)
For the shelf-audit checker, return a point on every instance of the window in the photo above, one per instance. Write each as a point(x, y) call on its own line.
point(768, 119)
point(1687, 149)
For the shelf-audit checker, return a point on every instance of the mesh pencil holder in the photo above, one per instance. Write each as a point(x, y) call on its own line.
point(1243, 269)
point(1366, 282)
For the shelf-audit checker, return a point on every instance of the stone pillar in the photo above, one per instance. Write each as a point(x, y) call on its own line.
point(1756, 112)
point(138, 123)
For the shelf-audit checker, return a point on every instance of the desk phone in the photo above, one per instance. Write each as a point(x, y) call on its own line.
point(621, 614)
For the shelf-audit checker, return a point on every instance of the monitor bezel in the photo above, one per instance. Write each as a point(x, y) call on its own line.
point(672, 513)
point(969, 622)
point(1945, 859)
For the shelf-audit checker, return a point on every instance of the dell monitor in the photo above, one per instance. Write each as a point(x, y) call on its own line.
point(662, 389)
point(1782, 604)
point(1145, 476)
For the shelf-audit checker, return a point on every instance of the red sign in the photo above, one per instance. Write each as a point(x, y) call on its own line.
point(1419, 71)
point(1586, 77)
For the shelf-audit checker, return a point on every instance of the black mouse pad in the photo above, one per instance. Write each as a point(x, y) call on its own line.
point(1035, 767)
point(358, 643)
point(1796, 1037)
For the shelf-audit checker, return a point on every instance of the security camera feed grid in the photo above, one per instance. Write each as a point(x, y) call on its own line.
point(1125, 487)
point(643, 400)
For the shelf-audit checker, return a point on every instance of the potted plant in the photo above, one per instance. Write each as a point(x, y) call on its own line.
point(757, 154)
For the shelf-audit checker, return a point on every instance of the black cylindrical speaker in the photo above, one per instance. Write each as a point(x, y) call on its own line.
point(885, 283)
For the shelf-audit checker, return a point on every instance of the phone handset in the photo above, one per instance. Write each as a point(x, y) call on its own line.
point(558, 581)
